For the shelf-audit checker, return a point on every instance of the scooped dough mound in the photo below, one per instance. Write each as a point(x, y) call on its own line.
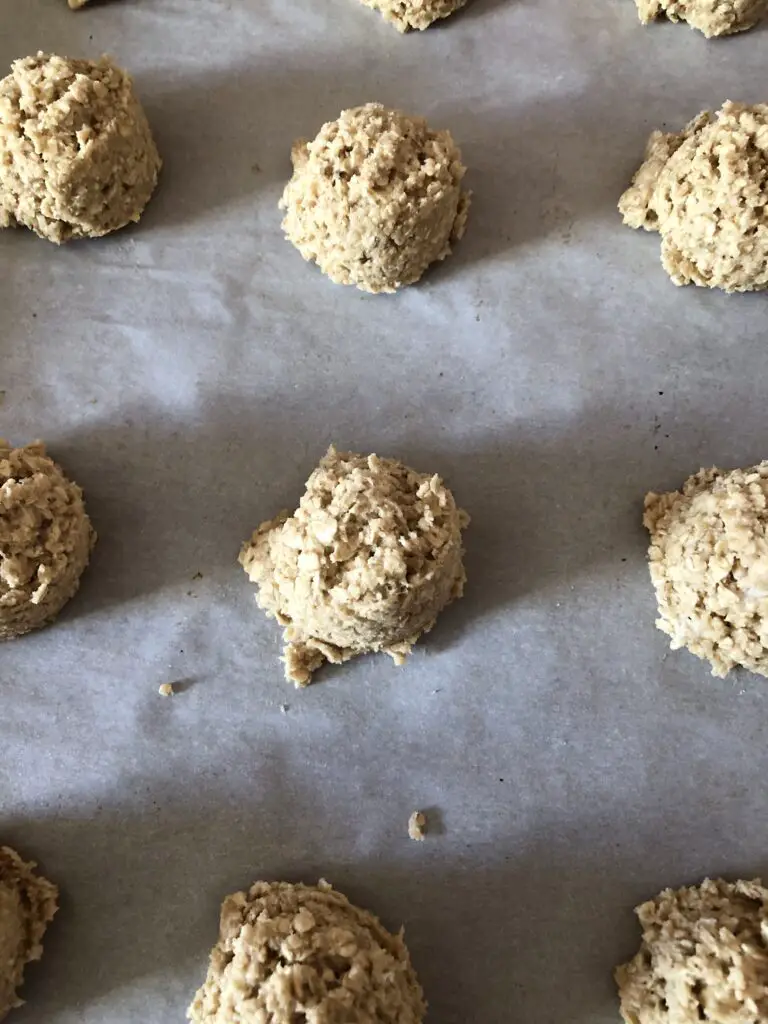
point(77, 158)
point(706, 192)
point(27, 904)
point(704, 957)
point(289, 953)
point(409, 14)
point(375, 198)
point(366, 563)
point(712, 17)
point(45, 539)
point(709, 565)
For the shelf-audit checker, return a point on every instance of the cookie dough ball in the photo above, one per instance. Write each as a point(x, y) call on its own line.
point(45, 539)
point(291, 953)
point(709, 566)
point(77, 158)
point(712, 17)
point(706, 192)
point(366, 563)
point(375, 198)
point(27, 905)
point(703, 957)
point(409, 14)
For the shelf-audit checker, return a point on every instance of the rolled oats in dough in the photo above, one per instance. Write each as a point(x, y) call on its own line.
point(712, 17)
point(375, 198)
point(289, 953)
point(77, 158)
point(366, 563)
point(709, 566)
point(418, 14)
point(28, 903)
point(705, 191)
point(704, 957)
point(45, 539)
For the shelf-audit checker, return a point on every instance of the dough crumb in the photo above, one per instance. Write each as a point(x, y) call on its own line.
point(702, 957)
point(704, 191)
point(28, 903)
point(712, 17)
point(297, 952)
point(414, 14)
point(365, 564)
point(417, 826)
point(166, 690)
point(46, 539)
point(375, 198)
point(708, 561)
point(77, 158)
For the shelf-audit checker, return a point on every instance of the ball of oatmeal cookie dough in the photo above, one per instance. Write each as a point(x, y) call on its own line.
point(706, 192)
point(297, 952)
point(712, 17)
point(414, 14)
point(77, 158)
point(27, 905)
point(702, 958)
point(365, 564)
point(45, 539)
point(375, 198)
point(709, 566)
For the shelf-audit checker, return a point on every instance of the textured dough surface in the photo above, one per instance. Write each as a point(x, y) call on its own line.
point(418, 14)
point(45, 539)
point(375, 198)
point(28, 903)
point(289, 953)
point(77, 158)
point(703, 957)
point(709, 566)
point(712, 17)
point(366, 563)
point(705, 190)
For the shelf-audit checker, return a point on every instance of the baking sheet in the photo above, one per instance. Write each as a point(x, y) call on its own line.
point(190, 372)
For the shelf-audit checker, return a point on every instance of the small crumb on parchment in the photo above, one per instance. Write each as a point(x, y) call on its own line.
point(417, 826)
point(166, 690)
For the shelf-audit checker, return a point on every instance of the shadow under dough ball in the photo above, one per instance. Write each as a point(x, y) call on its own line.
point(375, 198)
point(46, 539)
point(704, 957)
point(705, 190)
point(709, 566)
point(28, 903)
point(365, 564)
point(290, 953)
point(414, 14)
point(77, 158)
point(712, 17)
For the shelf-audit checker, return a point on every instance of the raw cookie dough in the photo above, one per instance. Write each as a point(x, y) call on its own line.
point(45, 539)
point(289, 953)
point(375, 198)
point(408, 14)
point(706, 192)
point(712, 17)
point(27, 904)
point(709, 566)
point(77, 158)
point(366, 563)
point(704, 957)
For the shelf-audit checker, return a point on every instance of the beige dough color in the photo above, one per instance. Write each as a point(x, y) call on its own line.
point(712, 17)
point(27, 904)
point(77, 158)
point(45, 539)
point(289, 953)
point(366, 563)
point(410, 14)
point(706, 192)
point(704, 957)
point(375, 198)
point(709, 566)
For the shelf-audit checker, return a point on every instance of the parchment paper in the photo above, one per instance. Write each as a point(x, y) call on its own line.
point(190, 372)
